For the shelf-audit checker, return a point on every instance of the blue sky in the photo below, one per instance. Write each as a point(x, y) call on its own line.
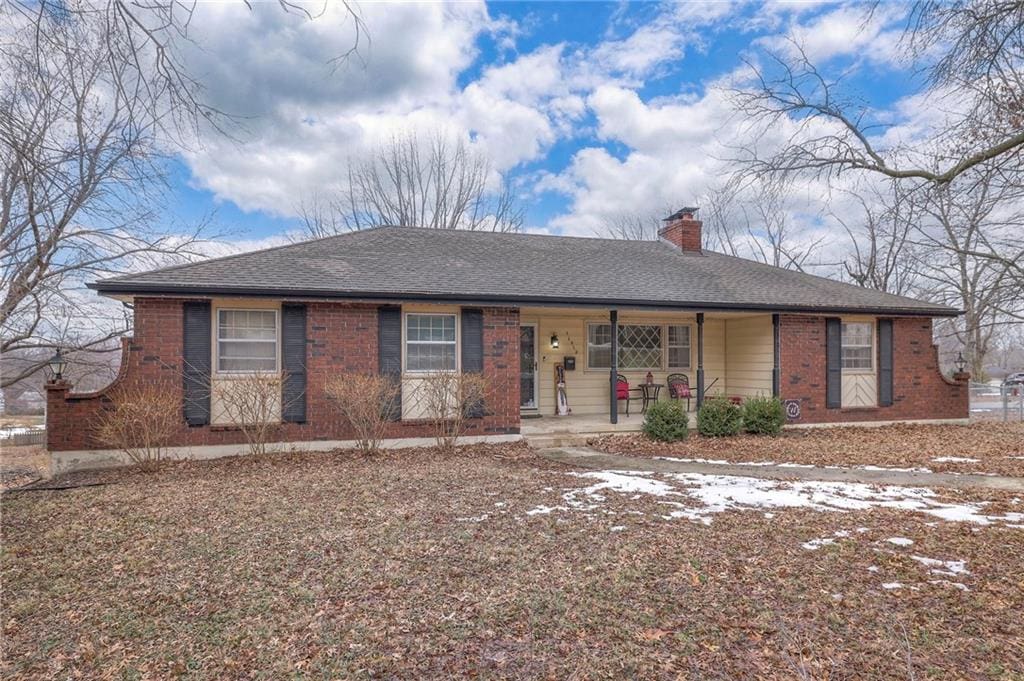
point(592, 109)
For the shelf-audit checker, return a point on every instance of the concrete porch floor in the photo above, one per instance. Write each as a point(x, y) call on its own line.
point(576, 429)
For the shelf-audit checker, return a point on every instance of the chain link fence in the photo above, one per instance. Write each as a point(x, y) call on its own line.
point(997, 402)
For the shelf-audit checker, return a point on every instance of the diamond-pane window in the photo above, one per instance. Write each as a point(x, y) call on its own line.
point(639, 346)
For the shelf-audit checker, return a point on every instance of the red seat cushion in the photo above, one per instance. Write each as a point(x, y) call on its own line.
point(622, 390)
point(678, 389)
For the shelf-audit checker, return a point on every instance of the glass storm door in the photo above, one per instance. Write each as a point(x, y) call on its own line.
point(528, 366)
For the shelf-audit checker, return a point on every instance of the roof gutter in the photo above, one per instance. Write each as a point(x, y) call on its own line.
point(119, 288)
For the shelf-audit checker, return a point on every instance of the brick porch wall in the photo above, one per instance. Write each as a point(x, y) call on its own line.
point(341, 338)
point(920, 391)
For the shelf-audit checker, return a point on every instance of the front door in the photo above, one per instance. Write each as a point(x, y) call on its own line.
point(528, 366)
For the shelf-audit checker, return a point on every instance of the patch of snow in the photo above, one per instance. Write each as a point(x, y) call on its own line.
point(955, 459)
point(473, 519)
point(892, 585)
point(816, 544)
point(542, 510)
point(718, 493)
point(500, 504)
point(872, 568)
point(769, 516)
point(11, 431)
point(862, 530)
point(900, 541)
point(617, 528)
point(894, 469)
point(951, 568)
point(958, 585)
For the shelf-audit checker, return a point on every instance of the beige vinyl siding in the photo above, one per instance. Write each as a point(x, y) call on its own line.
point(749, 355)
point(588, 389)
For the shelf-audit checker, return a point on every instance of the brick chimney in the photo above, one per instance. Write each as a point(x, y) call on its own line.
point(682, 230)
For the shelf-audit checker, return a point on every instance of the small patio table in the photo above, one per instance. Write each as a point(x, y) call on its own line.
point(649, 392)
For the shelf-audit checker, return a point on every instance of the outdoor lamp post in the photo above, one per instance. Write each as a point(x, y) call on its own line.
point(57, 365)
point(554, 341)
point(960, 363)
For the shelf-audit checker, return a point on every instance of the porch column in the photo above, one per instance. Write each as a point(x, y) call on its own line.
point(613, 374)
point(700, 359)
point(776, 357)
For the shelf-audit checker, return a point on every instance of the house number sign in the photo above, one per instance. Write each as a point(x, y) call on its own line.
point(792, 409)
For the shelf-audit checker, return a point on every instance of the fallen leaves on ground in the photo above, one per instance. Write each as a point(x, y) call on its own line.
point(998, 447)
point(417, 565)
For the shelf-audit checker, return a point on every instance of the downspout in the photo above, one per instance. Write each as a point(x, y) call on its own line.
point(614, 373)
point(700, 359)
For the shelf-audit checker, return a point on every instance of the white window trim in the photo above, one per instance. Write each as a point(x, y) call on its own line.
point(874, 346)
point(405, 342)
point(217, 339)
point(664, 344)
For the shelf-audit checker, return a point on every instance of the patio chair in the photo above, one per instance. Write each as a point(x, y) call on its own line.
point(624, 392)
point(679, 388)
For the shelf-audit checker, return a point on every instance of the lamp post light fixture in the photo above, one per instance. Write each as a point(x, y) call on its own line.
point(960, 363)
point(554, 341)
point(57, 365)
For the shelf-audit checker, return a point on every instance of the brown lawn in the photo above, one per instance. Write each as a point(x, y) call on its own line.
point(416, 565)
point(997, 447)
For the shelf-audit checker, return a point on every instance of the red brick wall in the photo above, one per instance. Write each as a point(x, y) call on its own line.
point(920, 391)
point(341, 338)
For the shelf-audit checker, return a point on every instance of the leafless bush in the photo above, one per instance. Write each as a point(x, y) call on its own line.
point(367, 402)
point(449, 400)
point(141, 423)
point(252, 402)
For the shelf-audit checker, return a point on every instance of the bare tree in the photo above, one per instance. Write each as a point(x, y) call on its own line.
point(439, 184)
point(145, 45)
point(882, 251)
point(80, 182)
point(980, 48)
point(92, 98)
point(633, 226)
point(961, 218)
point(719, 211)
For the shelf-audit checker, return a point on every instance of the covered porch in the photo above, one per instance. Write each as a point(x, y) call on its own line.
point(731, 354)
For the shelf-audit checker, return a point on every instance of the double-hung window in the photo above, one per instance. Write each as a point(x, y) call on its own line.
point(858, 350)
point(429, 342)
point(247, 341)
point(679, 346)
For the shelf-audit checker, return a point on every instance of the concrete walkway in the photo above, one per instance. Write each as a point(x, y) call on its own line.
point(591, 458)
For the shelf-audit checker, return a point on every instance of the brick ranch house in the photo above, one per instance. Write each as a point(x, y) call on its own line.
point(516, 307)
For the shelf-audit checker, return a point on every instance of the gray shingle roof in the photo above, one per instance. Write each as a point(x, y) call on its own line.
point(400, 263)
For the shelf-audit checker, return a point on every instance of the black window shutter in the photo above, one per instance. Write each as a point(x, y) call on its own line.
point(389, 351)
point(833, 363)
point(885, 362)
point(472, 341)
point(293, 363)
point(473, 351)
point(197, 357)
